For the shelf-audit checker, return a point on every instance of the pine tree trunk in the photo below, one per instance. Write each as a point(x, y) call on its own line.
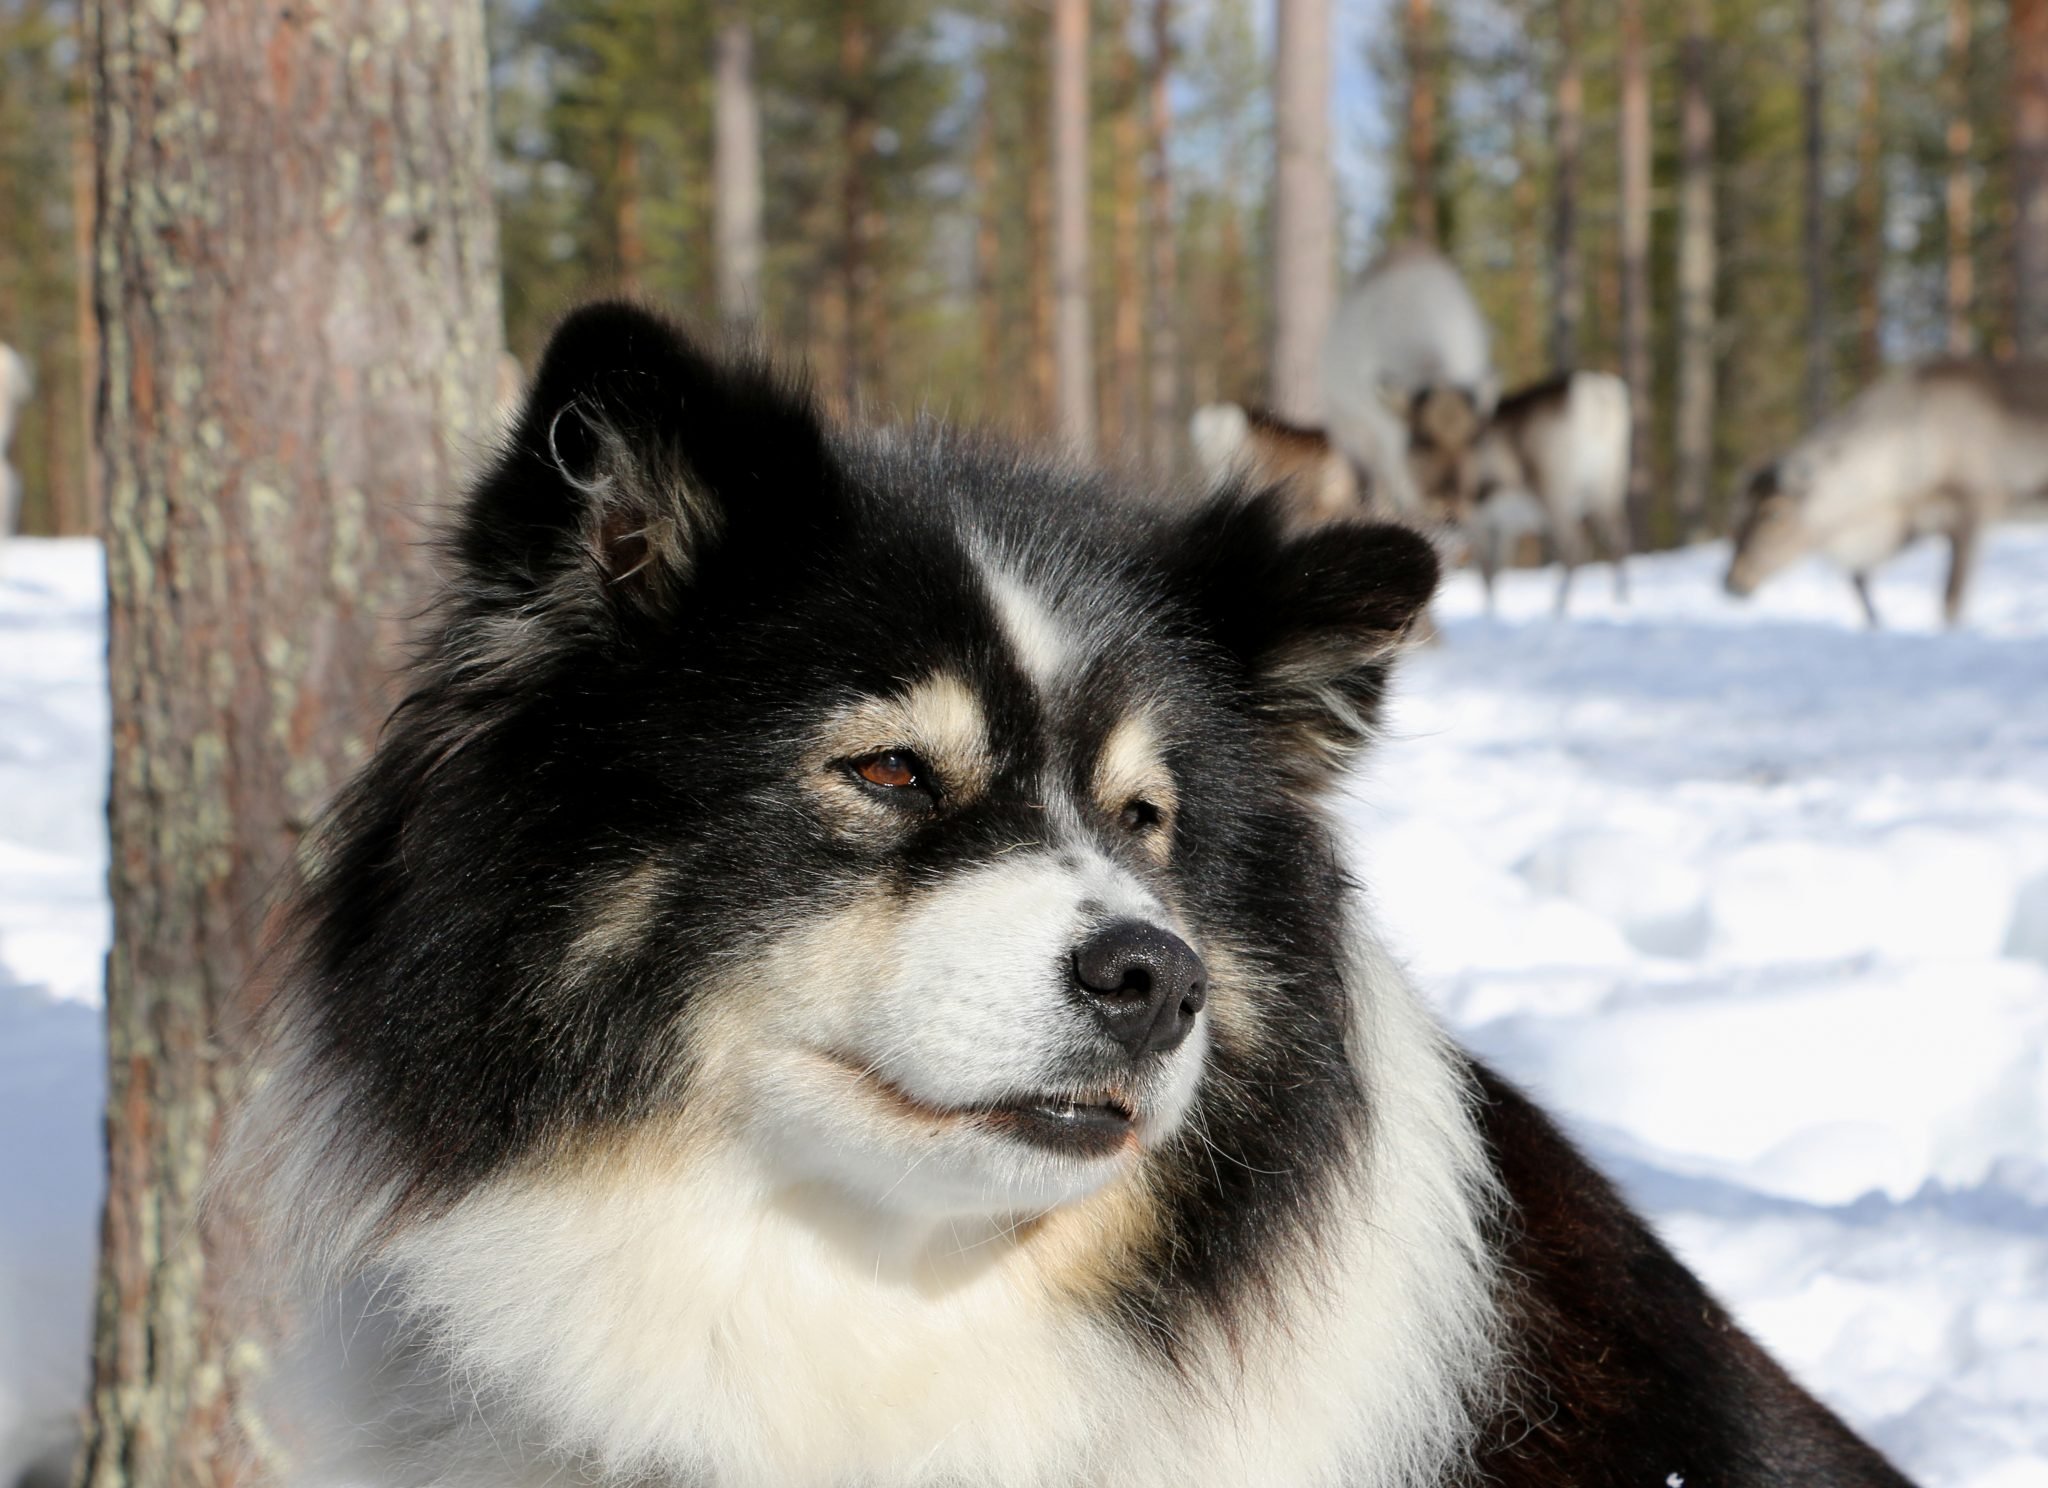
point(1162, 330)
point(988, 305)
point(1522, 339)
point(1961, 192)
point(1127, 320)
point(1568, 284)
point(1820, 348)
point(856, 251)
point(1870, 198)
point(1635, 256)
point(1696, 274)
point(82, 509)
point(1235, 376)
point(297, 295)
point(629, 241)
point(2029, 37)
point(1073, 353)
point(1039, 230)
point(1304, 208)
point(737, 164)
point(1421, 132)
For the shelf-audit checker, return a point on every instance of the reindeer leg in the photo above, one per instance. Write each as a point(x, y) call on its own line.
point(1962, 557)
point(1612, 528)
point(1571, 552)
point(1862, 582)
point(1492, 554)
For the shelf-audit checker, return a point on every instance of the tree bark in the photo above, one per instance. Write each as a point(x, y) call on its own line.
point(1820, 349)
point(1870, 198)
point(1039, 229)
point(1162, 330)
point(988, 305)
point(81, 511)
point(860, 350)
point(737, 111)
point(1961, 192)
point(629, 240)
point(2029, 40)
point(1696, 275)
point(1073, 352)
point(297, 295)
point(1127, 319)
point(1635, 255)
point(1568, 284)
point(1417, 44)
point(1304, 208)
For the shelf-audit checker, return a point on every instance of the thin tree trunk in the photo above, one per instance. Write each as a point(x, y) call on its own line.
point(1870, 198)
point(1304, 208)
point(1038, 223)
point(1635, 255)
point(629, 239)
point(856, 266)
point(1696, 273)
point(1820, 351)
point(2029, 33)
point(737, 110)
point(1417, 44)
point(297, 293)
point(1568, 284)
point(1073, 353)
point(1127, 321)
point(1524, 336)
point(81, 511)
point(1162, 331)
point(988, 307)
point(1962, 268)
point(1234, 378)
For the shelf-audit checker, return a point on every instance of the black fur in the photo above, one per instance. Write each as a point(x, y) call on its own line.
point(1628, 1372)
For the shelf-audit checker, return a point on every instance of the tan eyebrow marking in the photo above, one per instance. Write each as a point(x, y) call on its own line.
point(1131, 766)
point(939, 718)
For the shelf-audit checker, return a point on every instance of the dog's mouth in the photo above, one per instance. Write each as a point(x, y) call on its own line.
point(1086, 1124)
point(1090, 1126)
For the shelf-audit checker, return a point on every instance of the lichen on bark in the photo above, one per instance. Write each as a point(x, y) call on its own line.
point(296, 287)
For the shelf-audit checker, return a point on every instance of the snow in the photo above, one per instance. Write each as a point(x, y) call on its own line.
point(53, 938)
point(1755, 899)
point(1758, 901)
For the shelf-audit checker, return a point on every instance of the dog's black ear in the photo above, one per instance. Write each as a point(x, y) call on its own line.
point(637, 454)
point(1315, 619)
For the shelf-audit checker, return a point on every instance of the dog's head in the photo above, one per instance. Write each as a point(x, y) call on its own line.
point(911, 817)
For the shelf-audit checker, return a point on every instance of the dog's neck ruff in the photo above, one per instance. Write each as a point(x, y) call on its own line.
point(689, 1323)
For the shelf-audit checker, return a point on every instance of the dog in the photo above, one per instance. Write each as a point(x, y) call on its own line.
point(840, 971)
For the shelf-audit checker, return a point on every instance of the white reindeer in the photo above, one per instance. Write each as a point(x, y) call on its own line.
point(1553, 459)
point(1408, 379)
point(1938, 449)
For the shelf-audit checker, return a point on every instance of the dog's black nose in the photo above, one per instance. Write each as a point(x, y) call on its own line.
point(1145, 984)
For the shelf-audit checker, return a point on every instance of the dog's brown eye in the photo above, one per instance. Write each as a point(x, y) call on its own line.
point(1139, 816)
point(896, 769)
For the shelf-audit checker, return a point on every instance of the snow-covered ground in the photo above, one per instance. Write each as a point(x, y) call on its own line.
point(1757, 899)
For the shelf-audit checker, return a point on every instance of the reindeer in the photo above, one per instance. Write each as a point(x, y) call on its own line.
point(1408, 380)
point(1554, 458)
point(1233, 441)
point(1939, 449)
point(16, 384)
